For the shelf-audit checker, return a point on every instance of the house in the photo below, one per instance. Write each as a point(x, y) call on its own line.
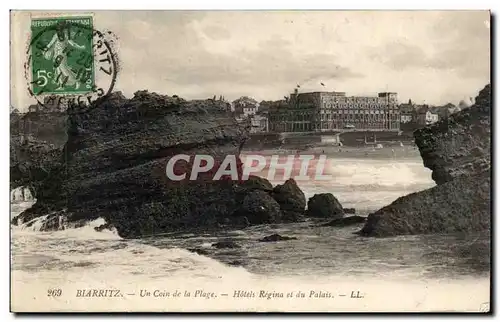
point(407, 112)
point(245, 106)
point(426, 115)
point(249, 110)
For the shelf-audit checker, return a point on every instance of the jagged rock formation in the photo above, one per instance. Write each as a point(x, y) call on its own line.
point(275, 238)
point(36, 143)
point(324, 205)
point(257, 183)
point(260, 208)
point(291, 199)
point(457, 150)
point(459, 146)
point(226, 244)
point(113, 161)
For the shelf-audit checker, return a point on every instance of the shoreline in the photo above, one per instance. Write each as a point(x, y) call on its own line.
point(367, 152)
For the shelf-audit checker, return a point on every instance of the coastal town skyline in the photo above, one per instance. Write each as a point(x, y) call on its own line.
point(430, 57)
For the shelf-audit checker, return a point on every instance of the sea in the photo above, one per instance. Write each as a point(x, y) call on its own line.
point(326, 269)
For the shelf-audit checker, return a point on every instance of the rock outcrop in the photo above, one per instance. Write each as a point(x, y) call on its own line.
point(460, 145)
point(260, 208)
point(275, 238)
point(36, 143)
point(457, 150)
point(109, 160)
point(291, 199)
point(257, 183)
point(324, 205)
point(460, 205)
point(225, 244)
point(113, 165)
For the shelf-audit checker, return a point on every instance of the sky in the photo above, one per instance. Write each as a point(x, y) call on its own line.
point(432, 57)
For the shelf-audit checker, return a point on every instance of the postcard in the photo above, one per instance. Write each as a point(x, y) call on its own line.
point(250, 161)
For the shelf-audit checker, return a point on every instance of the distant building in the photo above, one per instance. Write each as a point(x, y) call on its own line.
point(245, 106)
point(407, 112)
point(327, 111)
point(249, 110)
point(426, 116)
point(444, 111)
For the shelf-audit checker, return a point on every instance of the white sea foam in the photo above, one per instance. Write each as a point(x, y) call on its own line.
point(367, 184)
point(21, 194)
point(83, 258)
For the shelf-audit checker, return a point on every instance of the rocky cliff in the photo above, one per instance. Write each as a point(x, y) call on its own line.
point(113, 165)
point(36, 143)
point(457, 150)
point(460, 145)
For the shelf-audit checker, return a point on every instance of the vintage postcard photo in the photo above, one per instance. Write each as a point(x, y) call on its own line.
point(250, 161)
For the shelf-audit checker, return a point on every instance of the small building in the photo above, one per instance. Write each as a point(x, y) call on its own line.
point(259, 124)
point(249, 110)
point(425, 116)
point(245, 106)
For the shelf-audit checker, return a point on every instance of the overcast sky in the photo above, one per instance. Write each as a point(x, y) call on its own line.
point(430, 56)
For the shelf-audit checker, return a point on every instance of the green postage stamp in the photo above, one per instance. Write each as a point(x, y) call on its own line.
point(62, 56)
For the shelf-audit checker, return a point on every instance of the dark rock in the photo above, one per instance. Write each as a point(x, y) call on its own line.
point(457, 150)
point(260, 208)
point(199, 251)
point(346, 221)
point(291, 199)
point(237, 263)
point(53, 222)
point(461, 205)
point(349, 211)
point(37, 141)
point(113, 164)
point(106, 226)
point(256, 183)
point(276, 237)
point(226, 244)
point(324, 205)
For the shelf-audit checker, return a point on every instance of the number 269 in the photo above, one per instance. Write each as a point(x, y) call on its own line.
point(55, 292)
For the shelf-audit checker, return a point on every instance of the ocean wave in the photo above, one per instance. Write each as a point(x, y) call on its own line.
point(86, 232)
point(362, 173)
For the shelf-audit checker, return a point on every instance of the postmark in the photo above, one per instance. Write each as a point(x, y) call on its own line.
point(69, 61)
